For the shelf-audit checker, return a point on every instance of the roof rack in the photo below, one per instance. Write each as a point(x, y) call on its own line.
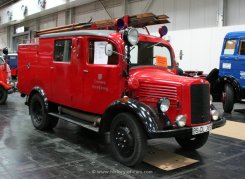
point(137, 21)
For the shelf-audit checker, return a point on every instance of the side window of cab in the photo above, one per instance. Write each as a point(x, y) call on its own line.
point(97, 53)
point(242, 47)
point(62, 50)
point(230, 46)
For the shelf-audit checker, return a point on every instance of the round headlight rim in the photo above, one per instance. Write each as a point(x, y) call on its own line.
point(213, 112)
point(136, 40)
point(126, 34)
point(161, 100)
point(177, 120)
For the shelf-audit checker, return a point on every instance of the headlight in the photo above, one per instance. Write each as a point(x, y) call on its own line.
point(131, 36)
point(163, 104)
point(215, 115)
point(211, 100)
point(181, 120)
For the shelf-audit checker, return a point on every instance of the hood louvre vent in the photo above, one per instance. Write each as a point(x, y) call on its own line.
point(151, 93)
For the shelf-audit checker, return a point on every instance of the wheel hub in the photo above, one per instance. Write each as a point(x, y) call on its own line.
point(124, 141)
point(37, 112)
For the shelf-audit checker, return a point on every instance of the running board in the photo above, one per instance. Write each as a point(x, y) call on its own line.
point(75, 120)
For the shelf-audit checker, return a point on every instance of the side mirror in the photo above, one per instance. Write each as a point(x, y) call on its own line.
point(181, 54)
point(108, 49)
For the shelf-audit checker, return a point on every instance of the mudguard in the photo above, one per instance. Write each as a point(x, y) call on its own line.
point(5, 85)
point(148, 117)
point(235, 84)
point(41, 92)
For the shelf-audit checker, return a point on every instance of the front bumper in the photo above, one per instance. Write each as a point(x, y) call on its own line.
point(12, 87)
point(185, 131)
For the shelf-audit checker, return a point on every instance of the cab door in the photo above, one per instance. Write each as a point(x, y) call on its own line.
point(61, 71)
point(103, 79)
point(239, 64)
point(229, 57)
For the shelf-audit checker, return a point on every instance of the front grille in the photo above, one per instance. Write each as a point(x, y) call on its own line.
point(200, 107)
point(151, 93)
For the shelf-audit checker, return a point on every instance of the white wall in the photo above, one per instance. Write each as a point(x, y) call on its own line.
point(3, 37)
point(235, 12)
point(33, 8)
point(201, 47)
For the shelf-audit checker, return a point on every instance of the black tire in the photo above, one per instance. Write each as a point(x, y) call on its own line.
point(193, 142)
point(3, 95)
point(128, 140)
point(39, 116)
point(228, 98)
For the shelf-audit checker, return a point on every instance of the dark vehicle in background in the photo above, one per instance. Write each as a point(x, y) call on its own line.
point(228, 83)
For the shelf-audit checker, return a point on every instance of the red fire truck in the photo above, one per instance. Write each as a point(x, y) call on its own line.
point(107, 77)
point(6, 86)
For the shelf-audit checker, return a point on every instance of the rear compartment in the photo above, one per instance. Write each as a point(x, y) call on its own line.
point(27, 59)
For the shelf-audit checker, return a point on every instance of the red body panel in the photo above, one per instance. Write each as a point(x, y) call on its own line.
point(26, 67)
point(4, 75)
point(67, 83)
point(14, 72)
point(157, 82)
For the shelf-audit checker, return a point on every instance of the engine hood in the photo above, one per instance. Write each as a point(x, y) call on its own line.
point(159, 75)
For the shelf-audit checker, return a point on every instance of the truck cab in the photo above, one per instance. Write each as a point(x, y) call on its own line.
point(118, 82)
point(228, 83)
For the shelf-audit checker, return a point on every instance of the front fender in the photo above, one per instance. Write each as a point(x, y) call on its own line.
point(41, 92)
point(5, 85)
point(235, 84)
point(148, 117)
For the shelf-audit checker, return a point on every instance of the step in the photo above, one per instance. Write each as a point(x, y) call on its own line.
point(75, 120)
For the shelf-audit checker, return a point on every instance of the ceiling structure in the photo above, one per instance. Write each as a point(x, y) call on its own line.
point(4, 3)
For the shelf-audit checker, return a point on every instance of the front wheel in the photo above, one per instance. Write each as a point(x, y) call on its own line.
point(128, 140)
point(3, 95)
point(228, 98)
point(39, 116)
point(193, 142)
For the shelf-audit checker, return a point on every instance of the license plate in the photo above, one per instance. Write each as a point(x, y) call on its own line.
point(201, 129)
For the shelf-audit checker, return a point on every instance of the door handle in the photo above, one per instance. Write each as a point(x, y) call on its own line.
point(85, 71)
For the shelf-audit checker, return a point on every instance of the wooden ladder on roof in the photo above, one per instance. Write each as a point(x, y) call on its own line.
point(136, 21)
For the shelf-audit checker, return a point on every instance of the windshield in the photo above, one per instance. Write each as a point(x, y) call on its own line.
point(153, 54)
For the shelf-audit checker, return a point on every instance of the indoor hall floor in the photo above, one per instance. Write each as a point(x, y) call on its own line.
point(70, 151)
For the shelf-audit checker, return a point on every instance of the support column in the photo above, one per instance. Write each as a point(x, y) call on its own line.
point(70, 16)
point(125, 7)
point(220, 13)
point(149, 2)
